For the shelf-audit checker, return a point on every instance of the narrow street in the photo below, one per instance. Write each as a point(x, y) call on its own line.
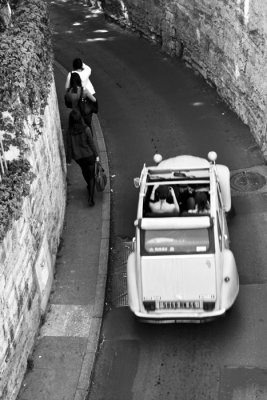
point(151, 103)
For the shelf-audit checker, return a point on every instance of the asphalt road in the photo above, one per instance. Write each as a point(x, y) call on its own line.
point(150, 103)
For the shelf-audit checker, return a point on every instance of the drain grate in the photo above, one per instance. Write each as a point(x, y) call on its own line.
point(119, 278)
point(120, 298)
point(246, 181)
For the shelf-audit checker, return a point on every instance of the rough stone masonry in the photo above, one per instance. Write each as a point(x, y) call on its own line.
point(28, 252)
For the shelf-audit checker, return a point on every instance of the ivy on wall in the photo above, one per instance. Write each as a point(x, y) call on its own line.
point(25, 79)
point(5, 14)
point(15, 185)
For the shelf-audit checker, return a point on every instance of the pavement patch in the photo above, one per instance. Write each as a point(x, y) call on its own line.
point(67, 320)
point(57, 364)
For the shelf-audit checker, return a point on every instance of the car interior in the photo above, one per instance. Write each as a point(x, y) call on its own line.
point(193, 198)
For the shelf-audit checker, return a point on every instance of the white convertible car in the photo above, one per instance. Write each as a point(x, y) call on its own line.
point(181, 268)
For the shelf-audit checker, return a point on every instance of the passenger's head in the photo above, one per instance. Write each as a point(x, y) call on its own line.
point(75, 79)
point(77, 64)
point(201, 201)
point(190, 203)
point(162, 192)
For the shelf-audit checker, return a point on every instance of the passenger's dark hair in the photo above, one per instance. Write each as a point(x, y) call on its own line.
point(163, 192)
point(201, 200)
point(190, 203)
point(77, 64)
point(75, 81)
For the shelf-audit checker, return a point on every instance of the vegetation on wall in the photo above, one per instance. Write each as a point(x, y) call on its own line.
point(6, 7)
point(14, 185)
point(25, 79)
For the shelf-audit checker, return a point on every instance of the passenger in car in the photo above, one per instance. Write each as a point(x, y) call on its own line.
point(165, 201)
point(202, 202)
point(197, 203)
point(186, 193)
point(191, 205)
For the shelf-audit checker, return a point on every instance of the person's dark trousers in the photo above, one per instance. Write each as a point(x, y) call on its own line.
point(87, 166)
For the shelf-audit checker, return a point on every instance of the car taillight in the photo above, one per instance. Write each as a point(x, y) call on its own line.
point(208, 305)
point(150, 305)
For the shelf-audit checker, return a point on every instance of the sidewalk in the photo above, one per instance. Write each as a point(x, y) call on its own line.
point(64, 353)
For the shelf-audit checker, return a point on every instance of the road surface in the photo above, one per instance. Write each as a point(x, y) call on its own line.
point(150, 103)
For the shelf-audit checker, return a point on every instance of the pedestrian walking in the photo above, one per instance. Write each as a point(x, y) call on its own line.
point(75, 90)
point(85, 72)
point(78, 97)
point(81, 148)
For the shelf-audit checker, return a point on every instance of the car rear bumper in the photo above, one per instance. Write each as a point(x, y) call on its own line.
point(184, 317)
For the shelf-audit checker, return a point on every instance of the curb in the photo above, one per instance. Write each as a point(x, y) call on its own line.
point(96, 322)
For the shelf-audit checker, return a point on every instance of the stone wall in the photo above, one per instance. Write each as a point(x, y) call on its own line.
point(224, 40)
point(28, 252)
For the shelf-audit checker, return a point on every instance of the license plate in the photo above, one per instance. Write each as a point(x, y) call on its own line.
point(178, 305)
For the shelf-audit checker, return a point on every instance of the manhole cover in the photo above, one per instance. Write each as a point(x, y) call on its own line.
point(247, 181)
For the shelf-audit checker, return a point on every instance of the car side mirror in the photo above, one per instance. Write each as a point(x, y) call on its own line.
point(136, 182)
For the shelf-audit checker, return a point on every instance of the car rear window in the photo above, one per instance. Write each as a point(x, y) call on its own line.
point(177, 241)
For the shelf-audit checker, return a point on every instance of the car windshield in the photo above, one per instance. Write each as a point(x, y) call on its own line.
point(177, 241)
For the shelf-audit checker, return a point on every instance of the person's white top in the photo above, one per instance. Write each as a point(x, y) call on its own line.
point(85, 75)
point(161, 207)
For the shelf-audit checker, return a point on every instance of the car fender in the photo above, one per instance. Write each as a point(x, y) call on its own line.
point(132, 282)
point(223, 174)
point(230, 282)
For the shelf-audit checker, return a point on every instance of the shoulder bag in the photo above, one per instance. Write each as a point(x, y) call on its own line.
point(100, 177)
point(87, 106)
